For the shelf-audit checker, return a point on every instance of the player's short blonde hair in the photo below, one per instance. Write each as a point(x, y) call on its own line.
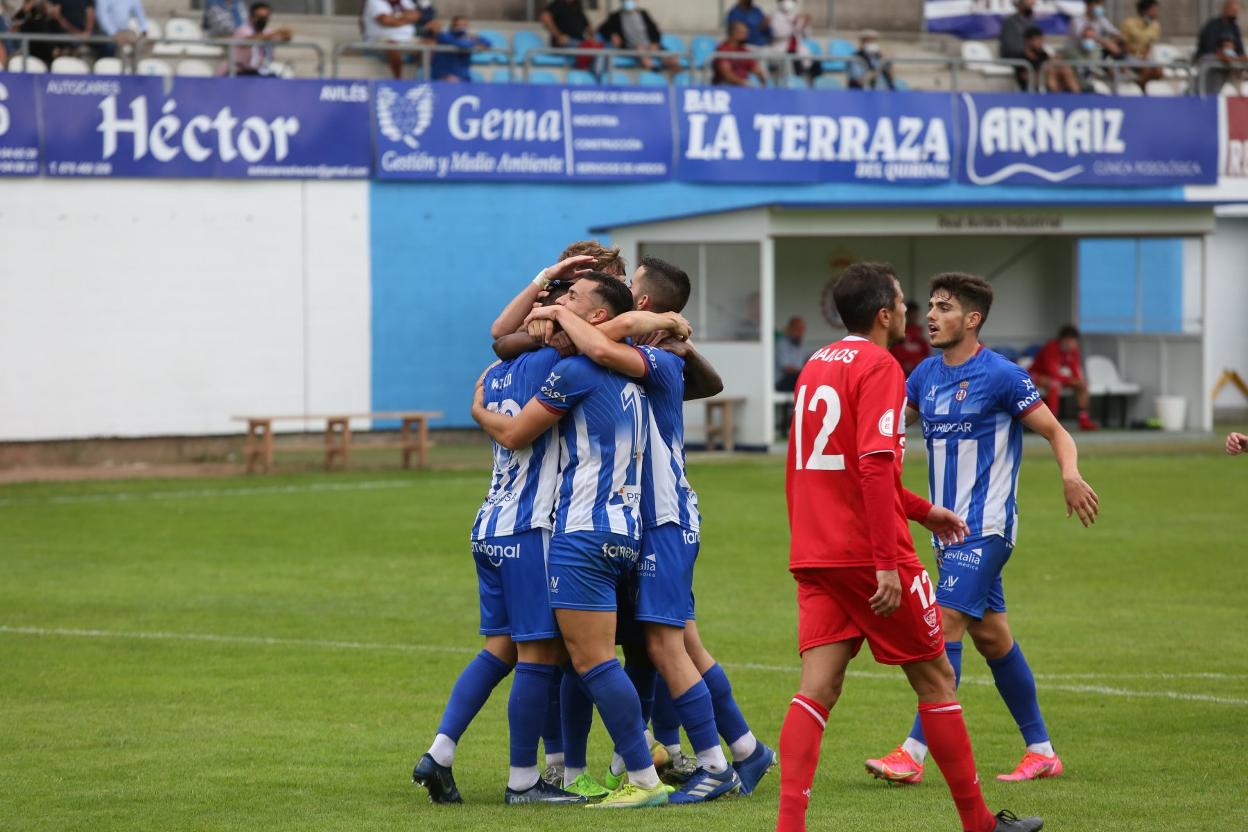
point(608, 260)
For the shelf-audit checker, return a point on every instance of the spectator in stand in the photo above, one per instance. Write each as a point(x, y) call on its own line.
point(758, 27)
point(258, 59)
point(222, 18)
point(113, 19)
point(1050, 75)
point(875, 70)
point(1084, 47)
point(632, 28)
point(1227, 58)
point(391, 21)
point(790, 358)
point(36, 18)
point(457, 66)
point(1221, 40)
point(1107, 34)
point(789, 30)
point(736, 72)
point(1013, 39)
point(915, 347)
point(1139, 33)
point(77, 17)
point(566, 22)
point(1059, 365)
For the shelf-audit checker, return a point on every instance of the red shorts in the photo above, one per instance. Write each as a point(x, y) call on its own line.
point(833, 606)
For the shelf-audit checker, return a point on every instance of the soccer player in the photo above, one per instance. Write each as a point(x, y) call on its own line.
point(1059, 364)
point(973, 404)
point(670, 542)
point(602, 420)
point(851, 554)
point(510, 539)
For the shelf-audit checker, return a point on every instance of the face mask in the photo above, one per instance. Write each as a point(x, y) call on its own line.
point(257, 26)
point(1229, 52)
point(871, 48)
point(1027, 12)
point(1088, 44)
point(1098, 11)
point(630, 5)
point(788, 6)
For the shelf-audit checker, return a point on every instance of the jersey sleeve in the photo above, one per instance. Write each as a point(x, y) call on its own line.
point(569, 381)
point(914, 385)
point(879, 393)
point(1016, 394)
point(664, 370)
point(537, 368)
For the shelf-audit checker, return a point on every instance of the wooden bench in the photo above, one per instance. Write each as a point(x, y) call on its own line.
point(721, 430)
point(413, 437)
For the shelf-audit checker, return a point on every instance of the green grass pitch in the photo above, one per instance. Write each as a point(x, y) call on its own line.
point(274, 653)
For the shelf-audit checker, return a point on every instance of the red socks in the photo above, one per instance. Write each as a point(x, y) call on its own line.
point(950, 747)
point(799, 757)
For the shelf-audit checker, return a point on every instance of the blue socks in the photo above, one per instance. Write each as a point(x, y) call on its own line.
point(697, 714)
point(530, 694)
point(664, 719)
point(953, 652)
point(552, 731)
point(620, 710)
point(471, 689)
point(577, 712)
point(732, 725)
point(643, 675)
point(1018, 688)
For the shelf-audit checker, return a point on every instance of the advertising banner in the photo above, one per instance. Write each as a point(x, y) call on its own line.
point(1236, 136)
point(981, 19)
point(249, 128)
point(1087, 140)
point(504, 132)
point(772, 135)
point(19, 126)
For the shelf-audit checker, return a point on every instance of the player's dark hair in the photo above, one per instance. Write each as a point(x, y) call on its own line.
point(611, 292)
point(861, 292)
point(972, 291)
point(666, 284)
point(555, 290)
point(608, 260)
point(1068, 331)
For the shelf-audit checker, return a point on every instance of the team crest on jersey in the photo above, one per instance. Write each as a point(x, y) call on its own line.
point(961, 394)
point(929, 617)
point(887, 422)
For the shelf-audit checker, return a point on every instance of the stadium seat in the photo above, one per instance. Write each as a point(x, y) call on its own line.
point(651, 79)
point(797, 82)
point(1103, 380)
point(68, 65)
point(618, 79)
point(108, 66)
point(901, 85)
point(278, 69)
point(1162, 87)
point(1170, 54)
point(980, 57)
point(523, 42)
point(838, 48)
point(184, 28)
point(193, 68)
point(814, 47)
point(21, 63)
point(623, 61)
point(1129, 89)
point(682, 79)
point(503, 76)
point(476, 77)
point(675, 43)
point(154, 66)
point(496, 40)
point(829, 82)
point(154, 29)
point(703, 45)
point(542, 76)
point(1229, 91)
point(1101, 88)
point(580, 78)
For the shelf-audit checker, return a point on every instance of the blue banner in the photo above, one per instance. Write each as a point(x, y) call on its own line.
point(1088, 140)
point(250, 128)
point(19, 126)
point(981, 19)
point(770, 135)
point(502, 132)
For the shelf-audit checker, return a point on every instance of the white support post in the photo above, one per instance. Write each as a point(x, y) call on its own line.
point(766, 329)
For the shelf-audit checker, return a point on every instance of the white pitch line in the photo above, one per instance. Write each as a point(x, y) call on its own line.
point(246, 491)
point(266, 641)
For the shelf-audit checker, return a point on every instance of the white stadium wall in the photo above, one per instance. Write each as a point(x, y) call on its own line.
point(141, 308)
point(1227, 307)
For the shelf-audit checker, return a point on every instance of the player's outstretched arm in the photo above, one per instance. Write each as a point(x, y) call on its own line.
point(1236, 443)
point(639, 324)
point(514, 345)
point(1080, 498)
point(513, 433)
point(592, 343)
point(949, 528)
point(512, 316)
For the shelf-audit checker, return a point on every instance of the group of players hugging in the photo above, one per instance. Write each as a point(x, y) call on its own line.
point(589, 534)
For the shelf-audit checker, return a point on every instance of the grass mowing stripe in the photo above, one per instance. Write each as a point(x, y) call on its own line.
point(208, 493)
point(267, 641)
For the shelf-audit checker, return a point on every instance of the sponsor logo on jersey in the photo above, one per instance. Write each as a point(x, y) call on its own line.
point(613, 551)
point(496, 553)
point(627, 496)
point(648, 566)
point(554, 584)
point(961, 394)
point(931, 394)
point(830, 356)
point(1023, 404)
point(949, 582)
point(500, 497)
point(887, 423)
point(967, 557)
point(947, 427)
point(549, 391)
point(691, 538)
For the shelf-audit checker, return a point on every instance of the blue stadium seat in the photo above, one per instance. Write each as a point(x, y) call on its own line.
point(703, 45)
point(838, 47)
point(524, 41)
point(829, 82)
point(682, 79)
point(797, 82)
point(476, 77)
point(496, 40)
point(503, 76)
point(542, 76)
point(581, 78)
point(900, 85)
point(675, 43)
point(813, 46)
point(651, 79)
point(618, 79)
point(624, 61)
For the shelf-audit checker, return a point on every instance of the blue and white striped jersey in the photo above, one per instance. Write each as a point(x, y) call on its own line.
point(522, 486)
point(970, 416)
point(602, 442)
point(666, 496)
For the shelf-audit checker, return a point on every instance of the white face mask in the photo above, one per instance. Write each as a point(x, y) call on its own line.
point(788, 6)
point(630, 5)
point(872, 48)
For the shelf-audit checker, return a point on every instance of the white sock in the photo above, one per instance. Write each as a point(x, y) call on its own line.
point(570, 774)
point(617, 764)
point(443, 750)
point(743, 747)
point(646, 778)
point(554, 759)
point(673, 750)
point(713, 760)
point(915, 749)
point(522, 779)
point(1045, 748)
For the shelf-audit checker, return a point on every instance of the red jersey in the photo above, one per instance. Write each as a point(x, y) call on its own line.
point(849, 402)
point(1054, 363)
point(912, 350)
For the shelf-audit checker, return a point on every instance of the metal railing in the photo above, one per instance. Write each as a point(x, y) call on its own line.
point(1205, 67)
point(425, 50)
point(604, 60)
point(131, 52)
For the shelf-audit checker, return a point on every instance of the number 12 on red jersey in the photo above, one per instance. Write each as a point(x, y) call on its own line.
point(818, 460)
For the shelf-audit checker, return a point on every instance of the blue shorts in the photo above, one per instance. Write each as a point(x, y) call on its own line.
point(587, 569)
point(511, 583)
point(664, 577)
point(970, 575)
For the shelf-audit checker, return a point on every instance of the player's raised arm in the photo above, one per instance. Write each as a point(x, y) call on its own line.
point(701, 380)
point(513, 314)
point(1080, 498)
